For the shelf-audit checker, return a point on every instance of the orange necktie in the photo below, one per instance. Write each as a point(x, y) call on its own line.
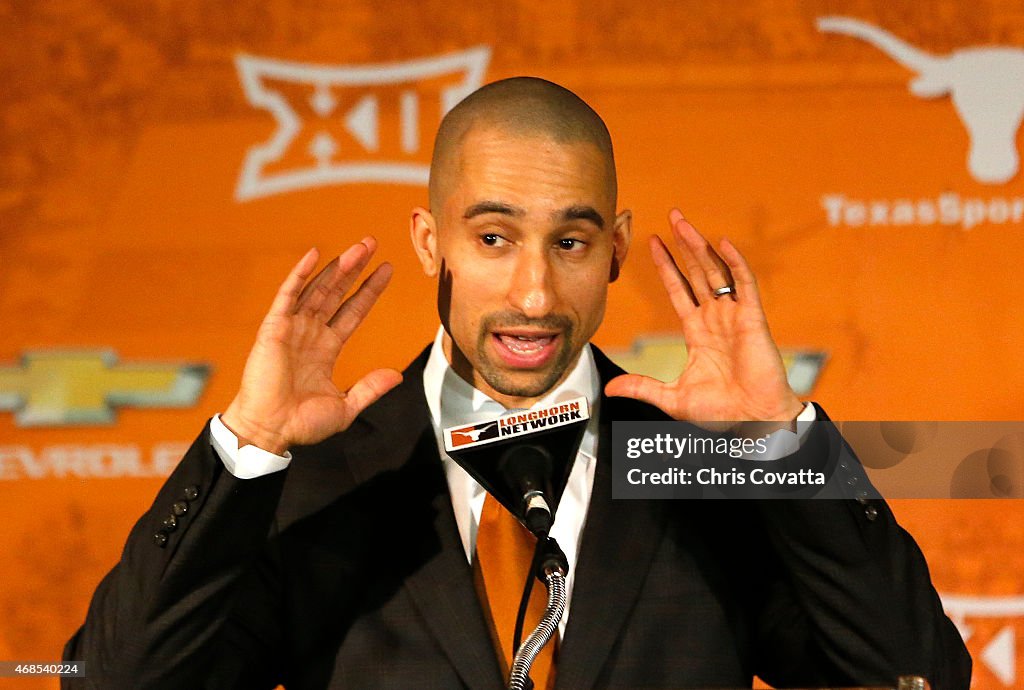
point(504, 552)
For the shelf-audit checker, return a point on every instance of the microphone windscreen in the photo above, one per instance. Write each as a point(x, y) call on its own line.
point(528, 467)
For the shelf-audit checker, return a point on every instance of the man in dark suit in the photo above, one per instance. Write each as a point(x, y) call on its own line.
point(347, 562)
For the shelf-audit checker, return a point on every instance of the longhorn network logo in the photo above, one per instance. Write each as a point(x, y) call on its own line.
point(517, 423)
point(341, 124)
point(65, 387)
point(986, 85)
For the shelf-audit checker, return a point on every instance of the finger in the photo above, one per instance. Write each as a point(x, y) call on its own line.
point(330, 280)
point(317, 289)
point(324, 293)
point(370, 388)
point(356, 307)
point(642, 388)
point(287, 294)
point(710, 270)
point(691, 264)
point(679, 291)
point(747, 291)
point(716, 271)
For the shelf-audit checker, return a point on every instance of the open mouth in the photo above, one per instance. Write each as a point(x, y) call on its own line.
point(523, 350)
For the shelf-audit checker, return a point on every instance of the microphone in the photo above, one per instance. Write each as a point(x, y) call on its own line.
point(528, 469)
point(523, 459)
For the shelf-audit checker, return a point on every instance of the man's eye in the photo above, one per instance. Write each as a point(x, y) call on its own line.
point(568, 243)
point(491, 240)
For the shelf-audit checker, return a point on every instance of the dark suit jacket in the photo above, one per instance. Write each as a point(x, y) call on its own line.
point(347, 571)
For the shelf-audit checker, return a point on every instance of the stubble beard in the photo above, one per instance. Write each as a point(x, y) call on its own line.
point(538, 382)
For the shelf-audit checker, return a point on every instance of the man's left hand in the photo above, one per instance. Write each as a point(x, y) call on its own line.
point(734, 371)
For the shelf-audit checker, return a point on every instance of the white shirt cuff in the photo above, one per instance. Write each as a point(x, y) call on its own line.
point(247, 462)
point(784, 442)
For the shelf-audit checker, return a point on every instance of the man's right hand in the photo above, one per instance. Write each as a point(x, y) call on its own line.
point(287, 395)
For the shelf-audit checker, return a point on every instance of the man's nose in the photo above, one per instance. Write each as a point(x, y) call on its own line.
point(531, 292)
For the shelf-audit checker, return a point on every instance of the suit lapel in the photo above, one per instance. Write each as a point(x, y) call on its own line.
point(444, 593)
point(441, 587)
point(618, 543)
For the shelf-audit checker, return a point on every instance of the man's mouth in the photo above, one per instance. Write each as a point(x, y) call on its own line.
point(523, 350)
point(525, 344)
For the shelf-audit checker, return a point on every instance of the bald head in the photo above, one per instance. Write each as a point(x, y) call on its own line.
point(521, 106)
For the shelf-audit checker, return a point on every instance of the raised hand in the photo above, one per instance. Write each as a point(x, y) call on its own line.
point(734, 371)
point(287, 396)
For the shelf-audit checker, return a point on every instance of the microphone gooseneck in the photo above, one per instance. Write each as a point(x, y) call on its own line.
point(519, 678)
point(552, 567)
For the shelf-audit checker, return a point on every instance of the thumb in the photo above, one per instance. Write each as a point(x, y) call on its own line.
point(639, 387)
point(370, 388)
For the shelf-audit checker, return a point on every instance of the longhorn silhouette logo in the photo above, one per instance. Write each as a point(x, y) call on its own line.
point(986, 85)
point(472, 434)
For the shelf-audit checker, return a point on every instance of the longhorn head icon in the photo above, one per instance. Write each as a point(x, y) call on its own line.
point(986, 85)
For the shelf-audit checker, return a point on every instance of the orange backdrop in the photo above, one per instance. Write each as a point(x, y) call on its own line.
point(163, 164)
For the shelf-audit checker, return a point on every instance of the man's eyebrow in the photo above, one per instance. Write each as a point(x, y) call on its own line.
point(582, 213)
point(483, 207)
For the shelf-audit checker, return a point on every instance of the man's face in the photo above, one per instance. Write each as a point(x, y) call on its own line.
point(526, 241)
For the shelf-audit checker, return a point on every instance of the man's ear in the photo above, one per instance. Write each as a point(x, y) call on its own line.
point(622, 232)
point(423, 232)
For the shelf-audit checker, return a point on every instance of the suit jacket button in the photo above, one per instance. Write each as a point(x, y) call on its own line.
point(871, 512)
point(170, 523)
point(192, 493)
point(180, 508)
point(160, 539)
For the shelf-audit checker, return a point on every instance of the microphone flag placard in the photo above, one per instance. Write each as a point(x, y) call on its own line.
point(487, 450)
point(517, 424)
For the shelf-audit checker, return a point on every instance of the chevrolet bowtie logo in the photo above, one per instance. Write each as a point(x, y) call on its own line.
point(663, 357)
point(62, 388)
point(340, 124)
